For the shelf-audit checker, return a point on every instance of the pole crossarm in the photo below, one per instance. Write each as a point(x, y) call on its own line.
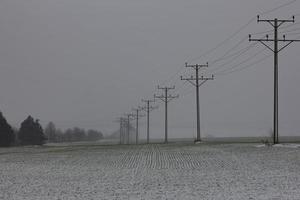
point(165, 97)
point(188, 79)
point(148, 101)
point(129, 116)
point(272, 21)
point(196, 65)
point(201, 78)
point(263, 41)
point(138, 110)
point(151, 108)
point(275, 23)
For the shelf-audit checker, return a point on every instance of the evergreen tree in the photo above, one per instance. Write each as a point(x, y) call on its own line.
point(7, 136)
point(31, 132)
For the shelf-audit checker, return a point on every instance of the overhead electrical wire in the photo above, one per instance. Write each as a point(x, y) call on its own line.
point(245, 67)
point(225, 56)
point(230, 37)
point(237, 54)
point(242, 62)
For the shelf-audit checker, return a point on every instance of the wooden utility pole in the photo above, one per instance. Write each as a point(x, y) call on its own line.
point(166, 99)
point(137, 115)
point(148, 109)
point(197, 85)
point(276, 23)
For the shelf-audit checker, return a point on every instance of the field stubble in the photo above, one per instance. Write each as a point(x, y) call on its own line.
point(174, 171)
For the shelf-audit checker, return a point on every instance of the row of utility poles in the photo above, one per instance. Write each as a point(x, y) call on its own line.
point(125, 125)
point(198, 80)
point(165, 97)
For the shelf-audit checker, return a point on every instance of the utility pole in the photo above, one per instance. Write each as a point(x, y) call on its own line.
point(166, 99)
point(121, 129)
point(121, 121)
point(148, 108)
point(124, 125)
point(276, 23)
point(128, 125)
point(197, 85)
point(137, 115)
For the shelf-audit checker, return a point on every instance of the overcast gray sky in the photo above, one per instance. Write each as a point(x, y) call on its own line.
point(85, 63)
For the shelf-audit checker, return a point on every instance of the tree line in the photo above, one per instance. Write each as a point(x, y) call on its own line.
point(32, 133)
point(71, 134)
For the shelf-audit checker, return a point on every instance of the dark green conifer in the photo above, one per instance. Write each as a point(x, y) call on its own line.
point(7, 136)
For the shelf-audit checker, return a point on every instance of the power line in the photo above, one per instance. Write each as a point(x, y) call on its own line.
point(242, 62)
point(238, 54)
point(287, 26)
point(180, 87)
point(294, 33)
point(291, 30)
point(224, 41)
point(227, 54)
point(228, 38)
point(245, 67)
point(224, 56)
point(278, 7)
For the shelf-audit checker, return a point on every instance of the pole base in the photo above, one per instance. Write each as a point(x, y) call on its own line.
point(198, 141)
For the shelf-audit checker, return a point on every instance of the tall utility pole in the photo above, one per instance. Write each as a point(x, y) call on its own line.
point(137, 115)
point(148, 108)
point(121, 120)
point(195, 82)
point(121, 129)
point(166, 98)
point(128, 125)
point(276, 23)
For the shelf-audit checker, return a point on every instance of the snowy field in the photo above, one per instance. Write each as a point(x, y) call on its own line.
point(174, 171)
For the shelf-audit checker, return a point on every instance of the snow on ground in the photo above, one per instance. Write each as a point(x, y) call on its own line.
point(286, 145)
point(174, 171)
